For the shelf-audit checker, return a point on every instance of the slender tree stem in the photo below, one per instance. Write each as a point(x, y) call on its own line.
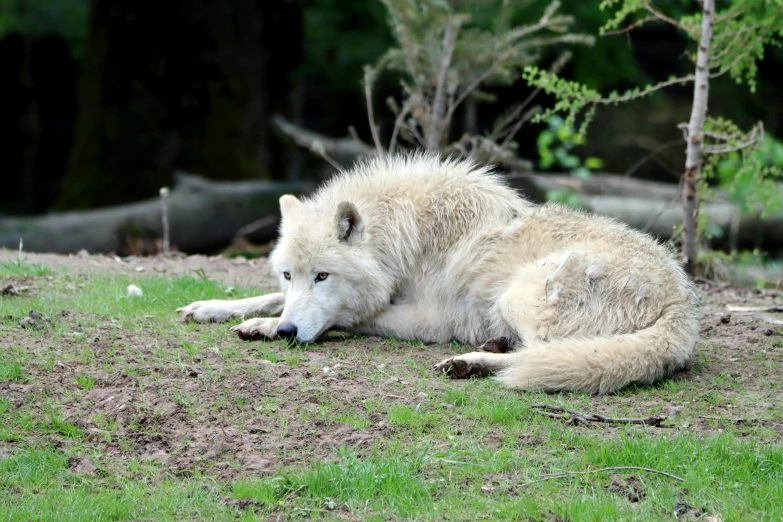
point(436, 130)
point(695, 140)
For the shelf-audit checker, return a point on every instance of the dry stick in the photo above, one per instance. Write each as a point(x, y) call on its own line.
point(654, 219)
point(664, 18)
point(631, 27)
point(750, 309)
point(318, 148)
point(556, 67)
point(369, 79)
point(589, 472)
point(723, 419)
point(13, 290)
point(723, 149)
point(164, 214)
point(655, 420)
point(404, 110)
point(255, 225)
point(434, 134)
point(541, 24)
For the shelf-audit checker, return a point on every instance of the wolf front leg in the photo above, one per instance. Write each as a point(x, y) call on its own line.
point(408, 321)
point(258, 328)
point(217, 310)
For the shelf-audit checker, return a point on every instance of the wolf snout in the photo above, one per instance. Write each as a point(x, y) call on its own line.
point(287, 331)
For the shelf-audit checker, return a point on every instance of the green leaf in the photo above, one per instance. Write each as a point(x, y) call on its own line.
point(594, 163)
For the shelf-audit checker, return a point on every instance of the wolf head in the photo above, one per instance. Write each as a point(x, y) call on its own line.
point(327, 268)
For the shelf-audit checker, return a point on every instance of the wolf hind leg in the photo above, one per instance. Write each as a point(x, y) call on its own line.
point(479, 364)
point(528, 309)
point(498, 345)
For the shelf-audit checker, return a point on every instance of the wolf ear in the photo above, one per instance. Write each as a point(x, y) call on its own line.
point(289, 205)
point(349, 224)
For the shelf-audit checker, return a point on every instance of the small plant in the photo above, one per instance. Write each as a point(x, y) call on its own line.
point(58, 424)
point(86, 382)
point(752, 176)
point(445, 54)
point(730, 40)
point(555, 146)
point(11, 371)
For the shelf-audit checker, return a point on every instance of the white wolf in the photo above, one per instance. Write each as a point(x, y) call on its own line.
point(418, 248)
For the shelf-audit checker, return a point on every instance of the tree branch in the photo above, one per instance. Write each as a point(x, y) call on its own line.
point(398, 121)
point(436, 116)
point(338, 150)
point(665, 18)
point(631, 27)
point(369, 79)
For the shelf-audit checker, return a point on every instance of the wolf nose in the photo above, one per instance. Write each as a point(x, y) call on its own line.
point(287, 331)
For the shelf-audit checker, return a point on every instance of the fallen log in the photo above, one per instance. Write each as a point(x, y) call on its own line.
point(203, 215)
point(646, 205)
point(206, 215)
point(659, 217)
point(601, 184)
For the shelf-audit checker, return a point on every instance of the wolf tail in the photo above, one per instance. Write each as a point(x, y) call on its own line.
point(602, 365)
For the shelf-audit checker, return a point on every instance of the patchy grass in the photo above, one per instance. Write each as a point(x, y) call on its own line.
point(185, 421)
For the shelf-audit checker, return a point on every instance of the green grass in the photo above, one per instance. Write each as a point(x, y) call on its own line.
point(39, 486)
point(24, 269)
point(465, 450)
point(11, 370)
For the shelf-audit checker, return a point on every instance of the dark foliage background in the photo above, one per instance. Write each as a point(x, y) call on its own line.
point(102, 100)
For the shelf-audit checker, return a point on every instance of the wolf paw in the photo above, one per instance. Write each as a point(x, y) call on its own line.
point(460, 368)
point(257, 329)
point(497, 345)
point(213, 310)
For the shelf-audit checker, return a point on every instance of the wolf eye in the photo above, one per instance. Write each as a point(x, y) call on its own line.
point(287, 275)
point(321, 276)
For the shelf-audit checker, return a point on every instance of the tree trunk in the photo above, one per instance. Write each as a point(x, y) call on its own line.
point(695, 140)
point(30, 125)
point(165, 86)
point(202, 215)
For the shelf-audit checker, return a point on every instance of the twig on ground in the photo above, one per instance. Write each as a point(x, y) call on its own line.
point(574, 417)
point(589, 472)
point(723, 419)
point(13, 289)
point(751, 309)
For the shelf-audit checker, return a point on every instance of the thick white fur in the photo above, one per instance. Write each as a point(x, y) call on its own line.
point(420, 248)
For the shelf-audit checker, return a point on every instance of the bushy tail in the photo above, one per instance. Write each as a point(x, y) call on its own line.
point(602, 365)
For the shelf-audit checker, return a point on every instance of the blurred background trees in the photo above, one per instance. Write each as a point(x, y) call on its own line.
point(102, 101)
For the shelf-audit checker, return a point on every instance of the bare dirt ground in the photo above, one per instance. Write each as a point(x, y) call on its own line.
point(235, 408)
